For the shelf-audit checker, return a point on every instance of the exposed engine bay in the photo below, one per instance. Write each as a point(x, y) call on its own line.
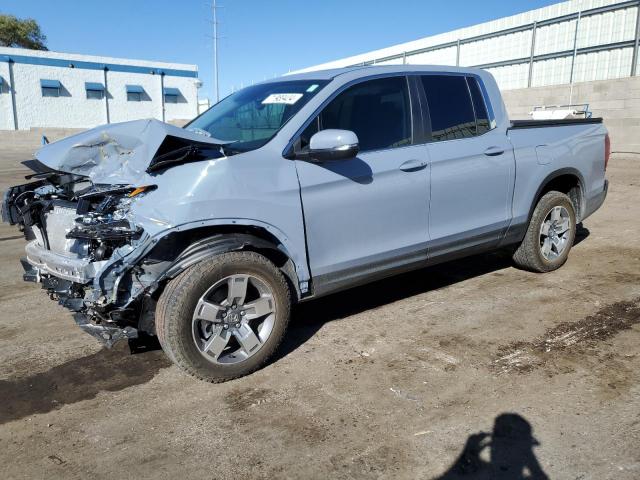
point(74, 228)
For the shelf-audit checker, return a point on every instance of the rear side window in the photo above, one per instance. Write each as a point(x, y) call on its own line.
point(450, 107)
point(480, 108)
point(378, 111)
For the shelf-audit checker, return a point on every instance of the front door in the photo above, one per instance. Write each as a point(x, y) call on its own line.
point(367, 216)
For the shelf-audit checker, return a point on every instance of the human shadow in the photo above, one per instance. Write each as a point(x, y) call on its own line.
point(509, 451)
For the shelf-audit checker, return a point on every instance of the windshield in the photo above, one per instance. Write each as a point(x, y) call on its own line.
point(252, 116)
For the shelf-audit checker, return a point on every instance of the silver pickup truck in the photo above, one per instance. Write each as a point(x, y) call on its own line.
point(292, 189)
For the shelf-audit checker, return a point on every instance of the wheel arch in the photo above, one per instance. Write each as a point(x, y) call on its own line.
point(565, 180)
point(180, 249)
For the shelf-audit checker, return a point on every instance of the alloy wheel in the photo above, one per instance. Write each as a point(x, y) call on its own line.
point(555, 233)
point(233, 319)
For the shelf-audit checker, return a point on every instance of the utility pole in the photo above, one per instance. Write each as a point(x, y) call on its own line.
point(215, 7)
point(575, 54)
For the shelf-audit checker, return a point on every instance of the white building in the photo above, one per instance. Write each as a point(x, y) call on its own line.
point(51, 89)
point(569, 42)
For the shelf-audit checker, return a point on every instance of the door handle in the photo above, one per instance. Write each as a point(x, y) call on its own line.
point(494, 151)
point(413, 165)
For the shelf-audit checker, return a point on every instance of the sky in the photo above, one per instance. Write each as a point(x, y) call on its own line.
point(260, 38)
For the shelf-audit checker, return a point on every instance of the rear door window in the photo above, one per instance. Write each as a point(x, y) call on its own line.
point(479, 106)
point(450, 107)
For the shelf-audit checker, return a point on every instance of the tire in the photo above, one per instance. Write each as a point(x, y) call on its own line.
point(183, 334)
point(533, 254)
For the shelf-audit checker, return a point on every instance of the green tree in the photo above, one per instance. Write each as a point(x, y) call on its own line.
point(16, 32)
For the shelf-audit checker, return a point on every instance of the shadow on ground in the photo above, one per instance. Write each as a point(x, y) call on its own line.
point(309, 317)
point(77, 380)
point(582, 233)
point(504, 454)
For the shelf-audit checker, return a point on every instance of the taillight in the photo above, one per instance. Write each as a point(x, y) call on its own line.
point(607, 150)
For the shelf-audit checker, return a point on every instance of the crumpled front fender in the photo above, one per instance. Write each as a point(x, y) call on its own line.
point(107, 280)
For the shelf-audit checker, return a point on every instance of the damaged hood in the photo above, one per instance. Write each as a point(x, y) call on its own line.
point(121, 153)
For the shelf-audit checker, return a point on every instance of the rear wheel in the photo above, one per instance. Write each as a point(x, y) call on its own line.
point(550, 234)
point(225, 317)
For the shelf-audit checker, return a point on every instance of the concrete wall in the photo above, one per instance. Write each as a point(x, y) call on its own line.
point(72, 109)
point(31, 139)
point(617, 101)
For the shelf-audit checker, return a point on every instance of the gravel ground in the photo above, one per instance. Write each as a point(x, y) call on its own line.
point(471, 369)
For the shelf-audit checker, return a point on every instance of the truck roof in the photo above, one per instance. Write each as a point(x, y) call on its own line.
point(367, 70)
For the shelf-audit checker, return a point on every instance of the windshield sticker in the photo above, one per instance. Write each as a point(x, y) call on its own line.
point(282, 98)
point(312, 88)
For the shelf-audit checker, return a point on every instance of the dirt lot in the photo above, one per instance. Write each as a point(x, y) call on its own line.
point(400, 379)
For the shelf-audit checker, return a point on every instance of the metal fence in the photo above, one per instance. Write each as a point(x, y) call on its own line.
point(594, 44)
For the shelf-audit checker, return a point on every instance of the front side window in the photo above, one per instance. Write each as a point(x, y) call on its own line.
point(134, 97)
point(450, 107)
point(308, 132)
point(377, 111)
point(251, 117)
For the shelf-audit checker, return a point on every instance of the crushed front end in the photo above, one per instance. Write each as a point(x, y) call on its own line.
point(77, 232)
point(81, 216)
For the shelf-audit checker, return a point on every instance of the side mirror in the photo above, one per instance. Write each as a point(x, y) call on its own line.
point(333, 144)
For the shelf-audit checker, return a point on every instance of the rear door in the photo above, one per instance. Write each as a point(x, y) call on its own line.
point(472, 166)
point(367, 215)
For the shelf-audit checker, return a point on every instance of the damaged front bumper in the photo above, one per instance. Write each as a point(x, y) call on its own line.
point(62, 289)
point(71, 282)
point(77, 241)
point(74, 269)
point(105, 334)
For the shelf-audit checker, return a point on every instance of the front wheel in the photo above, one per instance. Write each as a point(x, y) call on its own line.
point(550, 235)
point(225, 317)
